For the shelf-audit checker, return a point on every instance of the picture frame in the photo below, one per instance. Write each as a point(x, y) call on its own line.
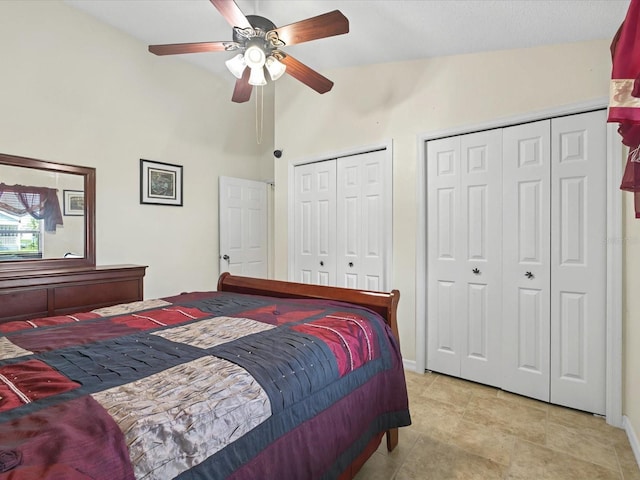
point(160, 183)
point(73, 202)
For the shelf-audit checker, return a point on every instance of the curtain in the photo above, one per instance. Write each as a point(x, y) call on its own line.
point(624, 102)
point(39, 202)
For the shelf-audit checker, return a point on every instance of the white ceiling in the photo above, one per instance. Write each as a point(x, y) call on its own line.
point(380, 30)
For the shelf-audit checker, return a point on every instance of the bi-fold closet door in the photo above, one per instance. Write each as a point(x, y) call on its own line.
point(464, 220)
point(516, 252)
point(343, 221)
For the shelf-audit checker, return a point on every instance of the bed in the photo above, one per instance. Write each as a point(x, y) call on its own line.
point(260, 379)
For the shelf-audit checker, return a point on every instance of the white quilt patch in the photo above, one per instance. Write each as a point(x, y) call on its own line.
point(11, 350)
point(213, 331)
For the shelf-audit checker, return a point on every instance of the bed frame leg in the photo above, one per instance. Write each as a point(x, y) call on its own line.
point(392, 438)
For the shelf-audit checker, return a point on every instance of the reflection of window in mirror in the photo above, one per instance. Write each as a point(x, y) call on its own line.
point(32, 223)
point(21, 236)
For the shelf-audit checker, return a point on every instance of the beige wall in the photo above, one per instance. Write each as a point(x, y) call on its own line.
point(404, 101)
point(75, 91)
point(631, 312)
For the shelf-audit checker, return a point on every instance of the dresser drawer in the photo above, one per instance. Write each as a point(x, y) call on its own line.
point(90, 296)
point(24, 303)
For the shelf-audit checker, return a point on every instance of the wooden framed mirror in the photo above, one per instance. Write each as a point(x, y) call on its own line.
point(36, 234)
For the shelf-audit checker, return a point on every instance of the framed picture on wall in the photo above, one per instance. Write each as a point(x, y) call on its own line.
point(160, 183)
point(73, 202)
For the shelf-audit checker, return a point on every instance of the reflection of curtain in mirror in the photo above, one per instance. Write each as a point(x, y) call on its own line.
point(39, 202)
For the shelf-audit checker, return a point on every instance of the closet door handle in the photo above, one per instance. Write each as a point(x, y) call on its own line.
point(321, 263)
point(225, 257)
point(476, 271)
point(529, 275)
point(351, 264)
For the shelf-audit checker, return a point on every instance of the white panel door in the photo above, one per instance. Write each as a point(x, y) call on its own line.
point(243, 227)
point(480, 223)
point(464, 252)
point(315, 220)
point(526, 259)
point(445, 257)
point(578, 261)
point(363, 220)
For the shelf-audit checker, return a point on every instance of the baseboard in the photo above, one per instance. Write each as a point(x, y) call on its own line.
point(633, 438)
point(409, 364)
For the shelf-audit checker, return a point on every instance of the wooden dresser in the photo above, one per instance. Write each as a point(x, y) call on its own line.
point(46, 293)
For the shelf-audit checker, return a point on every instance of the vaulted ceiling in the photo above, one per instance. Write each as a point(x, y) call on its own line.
point(380, 30)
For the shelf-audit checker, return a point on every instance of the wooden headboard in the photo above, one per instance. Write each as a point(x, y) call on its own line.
point(383, 303)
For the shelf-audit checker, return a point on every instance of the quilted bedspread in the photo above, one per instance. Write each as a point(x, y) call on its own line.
point(199, 386)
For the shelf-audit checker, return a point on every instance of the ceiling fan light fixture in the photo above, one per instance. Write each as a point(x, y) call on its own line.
point(236, 65)
point(275, 67)
point(254, 57)
point(257, 77)
point(257, 38)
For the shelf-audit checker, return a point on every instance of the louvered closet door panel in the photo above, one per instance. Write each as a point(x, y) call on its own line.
point(315, 219)
point(480, 221)
point(445, 257)
point(361, 225)
point(578, 261)
point(526, 257)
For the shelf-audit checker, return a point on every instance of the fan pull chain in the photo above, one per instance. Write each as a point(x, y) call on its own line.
point(259, 114)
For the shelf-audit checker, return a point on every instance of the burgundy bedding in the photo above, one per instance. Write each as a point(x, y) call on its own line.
point(205, 385)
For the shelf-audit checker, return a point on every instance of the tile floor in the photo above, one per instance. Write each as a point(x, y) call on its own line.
point(462, 430)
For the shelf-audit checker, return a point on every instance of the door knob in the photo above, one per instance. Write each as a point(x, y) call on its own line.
point(351, 264)
point(529, 275)
point(476, 271)
point(225, 257)
point(321, 263)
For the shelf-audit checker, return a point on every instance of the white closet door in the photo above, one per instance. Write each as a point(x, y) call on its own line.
point(464, 251)
point(578, 261)
point(315, 220)
point(480, 223)
point(526, 259)
point(363, 222)
point(444, 257)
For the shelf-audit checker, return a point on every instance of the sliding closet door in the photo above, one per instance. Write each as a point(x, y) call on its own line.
point(363, 220)
point(578, 261)
point(464, 250)
point(526, 257)
point(315, 220)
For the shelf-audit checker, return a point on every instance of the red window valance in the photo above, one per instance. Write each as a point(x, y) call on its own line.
point(40, 202)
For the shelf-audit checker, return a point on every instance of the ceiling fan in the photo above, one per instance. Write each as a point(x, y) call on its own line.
point(259, 42)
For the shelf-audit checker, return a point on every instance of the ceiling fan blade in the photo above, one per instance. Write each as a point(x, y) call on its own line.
point(176, 48)
point(242, 90)
point(306, 75)
point(325, 25)
point(231, 13)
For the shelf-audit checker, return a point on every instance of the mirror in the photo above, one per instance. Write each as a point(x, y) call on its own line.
point(47, 214)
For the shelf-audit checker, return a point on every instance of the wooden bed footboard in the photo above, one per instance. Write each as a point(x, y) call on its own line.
point(383, 303)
